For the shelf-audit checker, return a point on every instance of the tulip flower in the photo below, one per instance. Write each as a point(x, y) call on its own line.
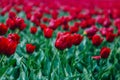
point(15, 37)
point(3, 29)
point(48, 32)
point(77, 39)
point(96, 40)
point(63, 40)
point(110, 36)
point(30, 48)
point(104, 53)
point(33, 30)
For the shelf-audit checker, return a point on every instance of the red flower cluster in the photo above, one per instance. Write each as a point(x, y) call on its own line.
point(14, 22)
point(104, 30)
point(83, 20)
point(66, 40)
point(35, 18)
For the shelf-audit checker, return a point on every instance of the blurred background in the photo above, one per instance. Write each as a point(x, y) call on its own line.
point(87, 3)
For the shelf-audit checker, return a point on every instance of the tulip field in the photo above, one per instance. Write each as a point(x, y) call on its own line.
point(59, 40)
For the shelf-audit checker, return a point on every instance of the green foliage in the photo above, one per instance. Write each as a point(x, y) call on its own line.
point(48, 63)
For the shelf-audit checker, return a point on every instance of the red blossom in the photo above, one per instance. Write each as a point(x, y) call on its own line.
point(76, 39)
point(3, 29)
point(30, 48)
point(15, 37)
point(33, 30)
point(110, 36)
point(104, 53)
point(96, 40)
point(48, 32)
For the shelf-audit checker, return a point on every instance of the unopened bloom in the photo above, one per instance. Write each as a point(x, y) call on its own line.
point(91, 31)
point(110, 36)
point(12, 15)
point(3, 29)
point(48, 32)
point(74, 29)
point(30, 48)
point(96, 40)
point(33, 30)
point(104, 53)
point(3, 44)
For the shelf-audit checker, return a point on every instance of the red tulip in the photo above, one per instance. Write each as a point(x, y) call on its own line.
point(106, 22)
point(45, 19)
point(74, 29)
point(16, 22)
point(54, 14)
point(104, 30)
point(3, 44)
point(33, 30)
point(99, 20)
point(76, 39)
point(48, 32)
point(12, 15)
point(91, 31)
point(96, 40)
point(22, 26)
point(30, 48)
point(20, 23)
point(53, 24)
point(17, 8)
point(15, 37)
point(3, 29)
point(11, 24)
point(104, 53)
point(115, 13)
point(117, 23)
point(43, 26)
point(81, 16)
point(7, 46)
point(28, 16)
point(91, 21)
point(83, 24)
point(110, 36)
point(11, 48)
point(63, 41)
point(77, 24)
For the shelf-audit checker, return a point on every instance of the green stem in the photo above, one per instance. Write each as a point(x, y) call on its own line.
point(61, 61)
point(3, 56)
point(49, 76)
point(17, 31)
